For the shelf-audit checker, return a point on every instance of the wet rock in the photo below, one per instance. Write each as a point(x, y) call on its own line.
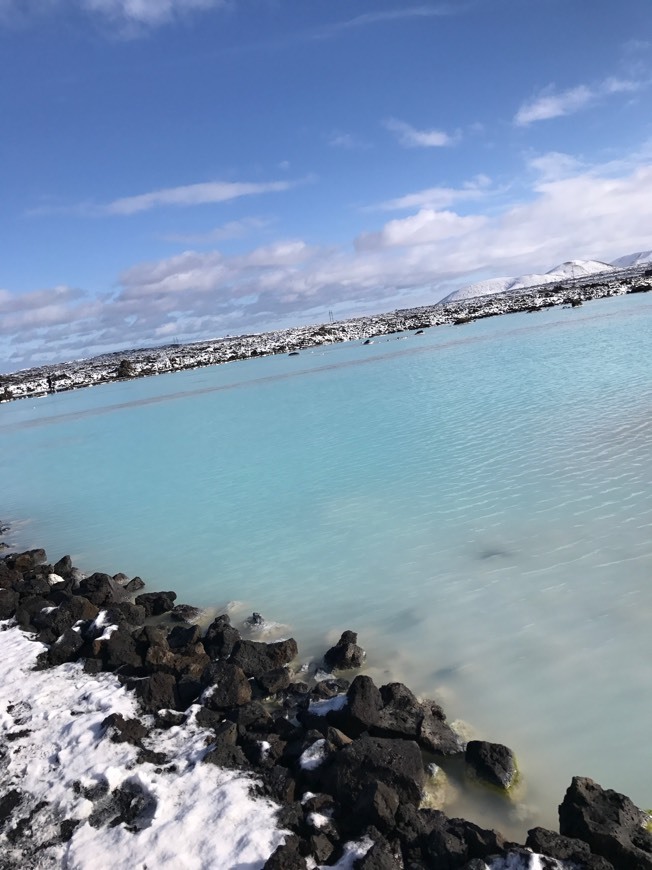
point(185, 613)
point(189, 691)
point(256, 658)
point(8, 803)
point(220, 638)
point(226, 686)
point(99, 588)
point(492, 762)
point(125, 611)
point(346, 654)
point(156, 603)
point(546, 842)
point(609, 822)
point(121, 579)
point(435, 734)
point(395, 763)
point(274, 681)
point(134, 585)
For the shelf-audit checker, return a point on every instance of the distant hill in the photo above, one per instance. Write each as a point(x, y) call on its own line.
point(638, 259)
point(562, 272)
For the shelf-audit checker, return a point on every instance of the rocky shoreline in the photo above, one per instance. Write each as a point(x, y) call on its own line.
point(144, 362)
point(348, 765)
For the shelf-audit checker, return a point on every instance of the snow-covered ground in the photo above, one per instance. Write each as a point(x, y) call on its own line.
point(71, 797)
point(185, 814)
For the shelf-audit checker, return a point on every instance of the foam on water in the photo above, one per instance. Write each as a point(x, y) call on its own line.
point(476, 502)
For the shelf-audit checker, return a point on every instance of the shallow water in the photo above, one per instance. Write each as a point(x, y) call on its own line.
point(476, 502)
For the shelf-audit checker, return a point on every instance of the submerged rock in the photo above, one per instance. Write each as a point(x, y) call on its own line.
point(492, 762)
point(346, 654)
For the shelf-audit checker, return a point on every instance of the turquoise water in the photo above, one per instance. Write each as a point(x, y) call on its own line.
point(476, 502)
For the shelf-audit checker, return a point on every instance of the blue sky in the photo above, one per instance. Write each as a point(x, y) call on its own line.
point(193, 168)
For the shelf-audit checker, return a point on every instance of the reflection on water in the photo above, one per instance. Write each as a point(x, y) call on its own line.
point(478, 507)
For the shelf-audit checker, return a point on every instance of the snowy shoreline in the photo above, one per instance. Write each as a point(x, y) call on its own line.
point(129, 364)
point(228, 755)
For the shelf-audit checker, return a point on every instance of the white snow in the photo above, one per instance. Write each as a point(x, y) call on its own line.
point(640, 258)
point(201, 816)
point(562, 272)
point(313, 756)
point(321, 708)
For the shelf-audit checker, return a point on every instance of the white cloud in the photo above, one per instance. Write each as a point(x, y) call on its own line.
point(550, 104)
point(410, 137)
point(193, 194)
point(569, 210)
point(425, 227)
point(389, 15)
point(439, 197)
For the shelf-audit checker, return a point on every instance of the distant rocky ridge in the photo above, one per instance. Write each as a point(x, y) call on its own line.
point(571, 269)
point(571, 290)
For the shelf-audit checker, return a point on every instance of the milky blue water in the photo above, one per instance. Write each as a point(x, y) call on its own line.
point(476, 502)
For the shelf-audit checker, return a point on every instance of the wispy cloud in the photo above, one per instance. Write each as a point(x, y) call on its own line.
point(123, 13)
point(438, 197)
point(440, 10)
point(551, 104)
point(187, 195)
point(410, 137)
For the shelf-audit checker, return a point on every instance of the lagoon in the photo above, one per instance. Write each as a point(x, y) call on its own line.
point(475, 501)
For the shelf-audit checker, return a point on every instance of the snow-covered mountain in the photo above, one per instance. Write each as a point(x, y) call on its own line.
point(641, 258)
point(562, 272)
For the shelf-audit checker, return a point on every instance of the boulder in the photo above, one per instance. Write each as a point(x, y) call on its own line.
point(287, 856)
point(73, 609)
point(362, 711)
point(276, 680)
point(492, 762)
point(368, 760)
point(609, 822)
point(220, 638)
point(99, 588)
point(256, 658)
point(376, 805)
point(226, 686)
point(119, 652)
point(66, 649)
point(157, 692)
point(8, 603)
point(156, 603)
point(435, 734)
point(185, 613)
point(29, 559)
point(134, 585)
point(183, 636)
point(545, 842)
point(346, 654)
